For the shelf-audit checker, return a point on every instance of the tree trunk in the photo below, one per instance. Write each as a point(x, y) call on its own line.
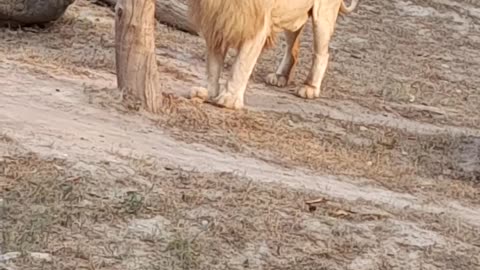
point(170, 12)
point(135, 52)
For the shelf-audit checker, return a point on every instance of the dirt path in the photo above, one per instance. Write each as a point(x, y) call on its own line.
point(392, 148)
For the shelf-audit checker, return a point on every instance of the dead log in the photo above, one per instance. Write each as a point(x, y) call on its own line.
point(170, 12)
point(136, 63)
point(28, 12)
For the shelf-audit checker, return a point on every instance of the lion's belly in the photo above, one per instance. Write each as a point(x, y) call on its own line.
point(290, 14)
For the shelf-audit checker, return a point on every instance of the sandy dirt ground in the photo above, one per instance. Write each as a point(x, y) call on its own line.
point(391, 151)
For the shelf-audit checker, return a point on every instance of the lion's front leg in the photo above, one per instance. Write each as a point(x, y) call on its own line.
point(324, 19)
point(232, 94)
point(215, 60)
point(285, 70)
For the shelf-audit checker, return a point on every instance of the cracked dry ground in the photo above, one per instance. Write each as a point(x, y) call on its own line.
point(391, 151)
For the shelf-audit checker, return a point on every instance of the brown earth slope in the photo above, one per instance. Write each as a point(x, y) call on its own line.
point(391, 150)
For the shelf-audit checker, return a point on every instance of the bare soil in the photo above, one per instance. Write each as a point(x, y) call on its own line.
point(391, 151)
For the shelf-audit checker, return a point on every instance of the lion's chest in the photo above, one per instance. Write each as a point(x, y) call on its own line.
point(290, 15)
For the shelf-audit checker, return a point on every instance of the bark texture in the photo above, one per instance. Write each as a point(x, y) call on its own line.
point(27, 12)
point(136, 64)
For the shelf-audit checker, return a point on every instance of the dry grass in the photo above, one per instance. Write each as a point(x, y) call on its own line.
point(392, 157)
point(159, 218)
point(437, 166)
point(167, 218)
point(82, 42)
point(376, 63)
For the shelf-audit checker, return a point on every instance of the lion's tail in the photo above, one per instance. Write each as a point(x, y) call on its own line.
point(226, 24)
point(348, 9)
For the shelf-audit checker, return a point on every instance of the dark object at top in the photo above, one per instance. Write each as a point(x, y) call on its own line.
point(29, 12)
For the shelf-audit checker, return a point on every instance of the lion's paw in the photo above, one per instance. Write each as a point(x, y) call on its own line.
point(199, 94)
point(276, 80)
point(228, 100)
point(308, 92)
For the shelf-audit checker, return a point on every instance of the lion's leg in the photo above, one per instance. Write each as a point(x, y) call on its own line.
point(285, 70)
point(324, 19)
point(215, 60)
point(215, 67)
point(232, 95)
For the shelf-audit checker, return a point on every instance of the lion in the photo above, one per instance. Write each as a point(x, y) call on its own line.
point(249, 26)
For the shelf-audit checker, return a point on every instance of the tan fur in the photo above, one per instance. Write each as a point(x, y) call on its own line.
point(228, 23)
point(249, 26)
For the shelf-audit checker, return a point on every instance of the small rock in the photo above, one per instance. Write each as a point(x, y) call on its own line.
point(411, 98)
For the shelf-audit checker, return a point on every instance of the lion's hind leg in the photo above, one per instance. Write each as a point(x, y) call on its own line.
point(324, 18)
point(285, 70)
